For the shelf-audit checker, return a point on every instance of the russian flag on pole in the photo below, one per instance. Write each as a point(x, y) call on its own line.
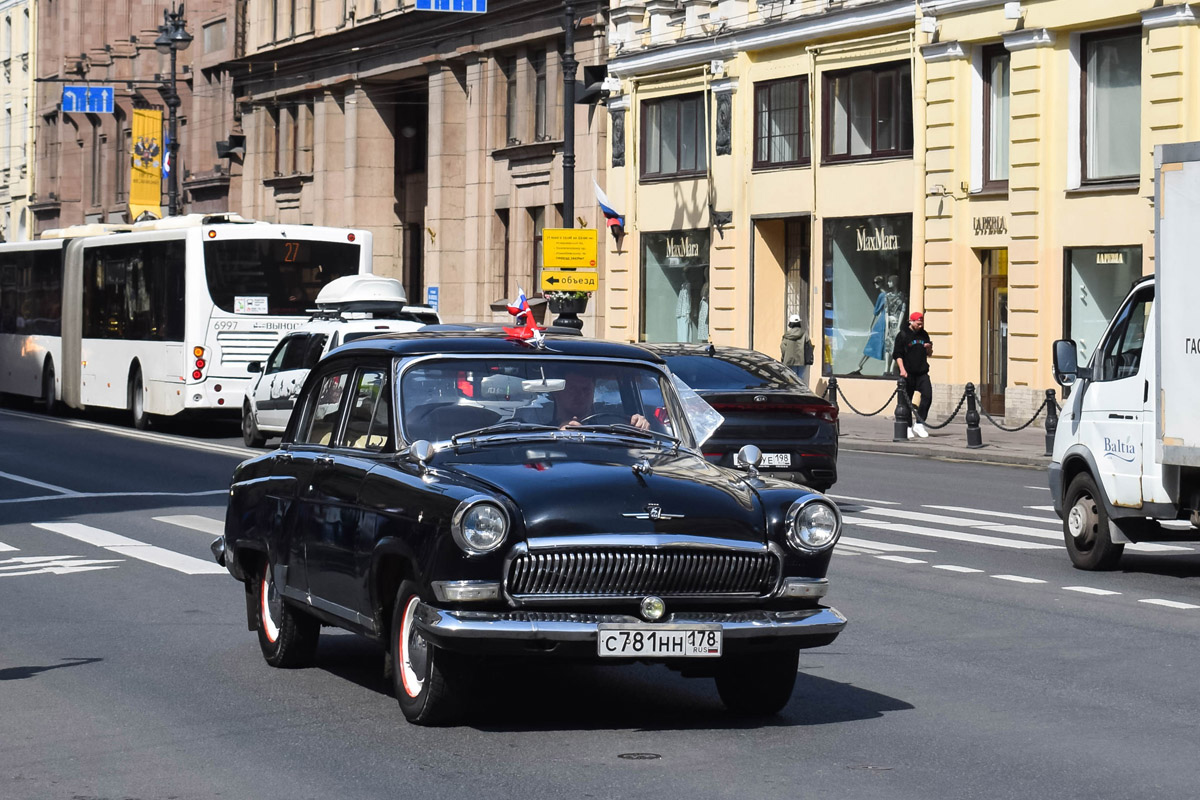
point(519, 307)
point(527, 328)
point(616, 222)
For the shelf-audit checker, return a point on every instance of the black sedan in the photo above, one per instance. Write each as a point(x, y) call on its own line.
point(456, 496)
point(765, 404)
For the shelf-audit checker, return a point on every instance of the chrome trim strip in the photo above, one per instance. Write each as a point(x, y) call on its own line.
point(454, 591)
point(440, 624)
point(330, 608)
point(803, 587)
point(604, 541)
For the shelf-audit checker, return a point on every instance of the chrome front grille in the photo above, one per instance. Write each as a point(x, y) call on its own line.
point(637, 572)
point(242, 347)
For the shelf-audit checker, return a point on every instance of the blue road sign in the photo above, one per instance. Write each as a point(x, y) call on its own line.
point(88, 99)
point(431, 292)
point(461, 6)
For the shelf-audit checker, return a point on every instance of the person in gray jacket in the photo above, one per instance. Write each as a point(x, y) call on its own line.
point(794, 347)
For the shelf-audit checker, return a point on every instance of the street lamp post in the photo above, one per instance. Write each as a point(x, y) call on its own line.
point(173, 37)
point(569, 64)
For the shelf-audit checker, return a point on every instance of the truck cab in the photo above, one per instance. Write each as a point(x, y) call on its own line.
point(1126, 456)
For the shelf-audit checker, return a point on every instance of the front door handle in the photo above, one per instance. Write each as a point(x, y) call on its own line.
point(285, 458)
point(325, 460)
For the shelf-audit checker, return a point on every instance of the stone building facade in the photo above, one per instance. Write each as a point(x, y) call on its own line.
point(441, 133)
point(83, 160)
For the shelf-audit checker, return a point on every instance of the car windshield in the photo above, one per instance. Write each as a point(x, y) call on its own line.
point(713, 373)
point(440, 399)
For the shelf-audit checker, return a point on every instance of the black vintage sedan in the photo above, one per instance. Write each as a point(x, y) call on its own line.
point(764, 404)
point(456, 496)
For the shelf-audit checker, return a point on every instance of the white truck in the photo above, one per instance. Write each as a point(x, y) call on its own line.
point(1126, 464)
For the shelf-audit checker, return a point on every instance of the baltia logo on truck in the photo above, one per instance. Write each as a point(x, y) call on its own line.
point(1191, 346)
point(1122, 450)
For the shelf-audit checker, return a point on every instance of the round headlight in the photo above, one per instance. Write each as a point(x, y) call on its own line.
point(813, 526)
point(479, 526)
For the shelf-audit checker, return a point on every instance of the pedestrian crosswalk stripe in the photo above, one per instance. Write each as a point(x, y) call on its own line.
point(867, 544)
point(861, 501)
point(56, 565)
point(196, 522)
point(939, 533)
point(961, 522)
point(1169, 603)
point(902, 559)
point(1152, 547)
point(125, 546)
point(956, 568)
point(1001, 514)
point(1040, 508)
point(7, 548)
point(1089, 590)
point(1017, 579)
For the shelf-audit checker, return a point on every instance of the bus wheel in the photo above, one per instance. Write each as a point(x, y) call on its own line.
point(48, 395)
point(250, 433)
point(137, 402)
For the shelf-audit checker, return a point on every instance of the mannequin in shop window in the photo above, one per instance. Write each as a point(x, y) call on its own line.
point(896, 306)
point(702, 312)
point(684, 321)
point(879, 324)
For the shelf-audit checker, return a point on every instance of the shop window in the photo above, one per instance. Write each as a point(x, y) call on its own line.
point(867, 266)
point(1097, 280)
point(868, 113)
point(995, 117)
point(674, 143)
point(1112, 91)
point(675, 286)
point(781, 123)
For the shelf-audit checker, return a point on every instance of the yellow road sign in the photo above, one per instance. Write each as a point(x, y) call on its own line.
point(569, 248)
point(554, 280)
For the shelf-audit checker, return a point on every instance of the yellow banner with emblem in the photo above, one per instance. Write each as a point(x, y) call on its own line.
point(145, 185)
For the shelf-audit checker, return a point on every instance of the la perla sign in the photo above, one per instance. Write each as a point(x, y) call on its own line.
point(877, 239)
point(682, 248)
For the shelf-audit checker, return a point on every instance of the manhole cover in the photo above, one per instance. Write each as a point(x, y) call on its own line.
point(639, 756)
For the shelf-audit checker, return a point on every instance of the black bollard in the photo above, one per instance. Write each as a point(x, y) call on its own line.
point(832, 392)
point(903, 413)
point(974, 434)
point(1051, 421)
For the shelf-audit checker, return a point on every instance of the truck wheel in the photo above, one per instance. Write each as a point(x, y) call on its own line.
point(1085, 527)
point(288, 637)
point(250, 433)
point(425, 678)
point(758, 686)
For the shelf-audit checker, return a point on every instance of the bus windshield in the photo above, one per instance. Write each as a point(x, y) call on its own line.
point(274, 277)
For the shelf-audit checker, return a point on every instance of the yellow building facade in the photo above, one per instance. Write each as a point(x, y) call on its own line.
point(989, 163)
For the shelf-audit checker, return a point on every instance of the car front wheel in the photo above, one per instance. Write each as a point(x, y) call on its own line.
point(1085, 527)
point(425, 677)
point(758, 685)
point(250, 432)
point(288, 637)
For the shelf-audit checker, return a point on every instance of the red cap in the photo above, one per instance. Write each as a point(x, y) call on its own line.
point(916, 315)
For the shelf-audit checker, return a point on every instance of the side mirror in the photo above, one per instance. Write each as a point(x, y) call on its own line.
point(421, 452)
point(748, 458)
point(1066, 363)
point(254, 366)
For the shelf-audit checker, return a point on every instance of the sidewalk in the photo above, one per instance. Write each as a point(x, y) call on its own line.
point(874, 434)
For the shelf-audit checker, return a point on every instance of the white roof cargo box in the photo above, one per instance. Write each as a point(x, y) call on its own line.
point(1177, 295)
point(355, 289)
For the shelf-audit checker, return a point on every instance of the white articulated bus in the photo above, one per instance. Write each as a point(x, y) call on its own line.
point(163, 317)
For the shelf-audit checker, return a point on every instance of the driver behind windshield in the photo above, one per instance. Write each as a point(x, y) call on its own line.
point(574, 405)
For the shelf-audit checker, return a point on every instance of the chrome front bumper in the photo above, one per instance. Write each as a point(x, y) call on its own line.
point(449, 627)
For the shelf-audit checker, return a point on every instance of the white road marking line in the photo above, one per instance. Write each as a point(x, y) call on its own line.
point(7, 548)
point(956, 568)
point(68, 570)
point(1151, 547)
point(1002, 514)
point(867, 544)
point(32, 482)
point(161, 438)
point(902, 559)
point(861, 501)
point(57, 565)
point(1040, 508)
point(1039, 488)
point(938, 533)
point(1017, 579)
point(86, 495)
point(132, 548)
point(195, 522)
point(1090, 590)
point(1168, 603)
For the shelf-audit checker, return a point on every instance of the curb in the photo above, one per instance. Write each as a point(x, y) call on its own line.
point(983, 455)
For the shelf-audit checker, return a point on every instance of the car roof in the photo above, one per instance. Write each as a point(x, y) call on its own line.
point(669, 349)
point(490, 343)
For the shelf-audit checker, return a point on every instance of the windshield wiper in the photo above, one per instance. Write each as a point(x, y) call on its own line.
point(624, 427)
point(502, 427)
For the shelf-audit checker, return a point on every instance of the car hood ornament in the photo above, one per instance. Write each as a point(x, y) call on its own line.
point(653, 511)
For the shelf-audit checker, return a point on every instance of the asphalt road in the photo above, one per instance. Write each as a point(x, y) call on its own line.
point(977, 662)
